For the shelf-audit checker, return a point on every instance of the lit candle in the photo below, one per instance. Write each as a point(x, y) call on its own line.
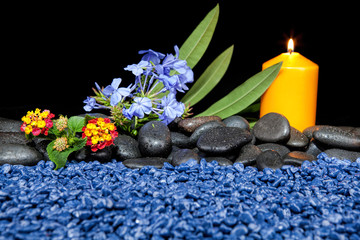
point(294, 91)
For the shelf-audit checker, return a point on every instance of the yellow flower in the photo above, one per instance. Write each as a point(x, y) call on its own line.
point(87, 132)
point(110, 126)
point(94, 132)
point(91, 126)
point(95, 139)
point(28, 129)
point(102, 125)
point(26, 119)
point(41, 124)
point(107, 137)
point(44, 114)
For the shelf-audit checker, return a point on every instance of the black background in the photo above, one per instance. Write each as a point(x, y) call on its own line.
point(53, 54)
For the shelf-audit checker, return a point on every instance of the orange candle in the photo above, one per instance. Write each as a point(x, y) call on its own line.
point(294, 91)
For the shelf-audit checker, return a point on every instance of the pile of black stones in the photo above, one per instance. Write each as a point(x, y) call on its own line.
point(271, 143)
point(266, 183)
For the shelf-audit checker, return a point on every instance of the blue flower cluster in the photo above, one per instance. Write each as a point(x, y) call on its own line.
point(142, 98)
point(319, 200)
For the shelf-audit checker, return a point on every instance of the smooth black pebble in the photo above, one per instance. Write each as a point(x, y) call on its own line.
point(269, 159)
point(154, 140)
point(272, 127)
point(223, 140)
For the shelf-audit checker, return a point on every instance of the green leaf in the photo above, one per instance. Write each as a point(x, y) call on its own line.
point(244, 95)
point(75, 123)
point(255, 107)
point(210, 78)
point(196, 44)
point(60, 158)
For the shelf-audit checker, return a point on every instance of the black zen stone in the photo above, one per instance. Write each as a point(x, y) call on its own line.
point(296, 158)
point(101, 155)
point(337, 138)
point(343, 154)
point(18, 154)
point(220, 160)
point(181, 140)
point(154, 140)
point(248, 155)
point(202, 129)
point(223, 140)
point(184, 155)
point(308, 132)
point(13, 137)
point(9, 125)
point(272, 127)
point(269, 159)
point(126, 147)
point(282, 150)
point(237, 121)
point(190, 124)
point(137, 163)
point(297, 139)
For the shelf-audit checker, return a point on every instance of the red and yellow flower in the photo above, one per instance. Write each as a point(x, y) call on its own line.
point(37, 122)
point(100, 133)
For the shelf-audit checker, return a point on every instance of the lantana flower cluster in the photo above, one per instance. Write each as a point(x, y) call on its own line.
point(145, 100)
point(97, 133)
point(37, 122)
point(100, 133)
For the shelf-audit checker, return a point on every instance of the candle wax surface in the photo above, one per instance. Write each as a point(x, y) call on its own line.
point(294, 91)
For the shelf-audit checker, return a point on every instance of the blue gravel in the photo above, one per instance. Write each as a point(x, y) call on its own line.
point(319, 200)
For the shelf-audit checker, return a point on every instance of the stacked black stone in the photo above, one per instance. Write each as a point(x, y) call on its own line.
point(271, 143)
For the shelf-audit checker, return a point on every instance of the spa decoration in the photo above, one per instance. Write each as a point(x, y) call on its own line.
point(149, 171)
point(158, 78)
point(294, 92)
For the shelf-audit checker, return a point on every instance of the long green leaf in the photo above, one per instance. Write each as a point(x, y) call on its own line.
point(196, 44)
point(210, 78)
point(244, 95)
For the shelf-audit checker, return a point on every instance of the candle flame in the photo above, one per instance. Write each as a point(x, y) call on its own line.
point(290, 46)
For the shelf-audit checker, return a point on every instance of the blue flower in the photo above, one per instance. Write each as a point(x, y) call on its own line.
point(171, 108)
point(169, 82)
point(126, 112)
point(186, 77)
point(138, 69)
point(115, 93)
point(152, 56)
point(177, 82)
point(172, 62)
point(91, 104)
point(140, 107)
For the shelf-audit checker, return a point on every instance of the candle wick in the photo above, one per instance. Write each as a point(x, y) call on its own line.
point(290, 51)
